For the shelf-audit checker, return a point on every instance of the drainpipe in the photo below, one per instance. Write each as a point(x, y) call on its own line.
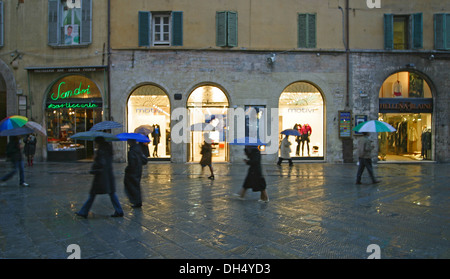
point(109, 61)
point(347, 51)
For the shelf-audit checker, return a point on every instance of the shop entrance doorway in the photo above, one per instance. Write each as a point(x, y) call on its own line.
point(301, 107)
point(149, 105)
point(208, 104)
point(406, 103)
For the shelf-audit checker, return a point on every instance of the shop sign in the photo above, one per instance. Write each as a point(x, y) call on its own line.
point(410, 105)
point(62, 94)
point(73, 105)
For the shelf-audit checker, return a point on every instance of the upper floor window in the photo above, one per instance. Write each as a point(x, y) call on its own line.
point(69, 22)
point(226, 29)
point(307, 37)
point(160, 29)
point(442, 31)
point(403, 31)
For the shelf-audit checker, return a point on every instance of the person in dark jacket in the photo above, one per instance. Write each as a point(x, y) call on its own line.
point(103, 182)
point(206, 159)
point(255, 179)
point(133, 173)
point(14, 154)
point(30, 148)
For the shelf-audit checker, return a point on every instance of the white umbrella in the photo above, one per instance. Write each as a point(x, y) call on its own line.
point(36, 127)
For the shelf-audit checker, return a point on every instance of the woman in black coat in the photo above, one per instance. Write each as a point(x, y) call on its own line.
point(104, 182)
point(255, 179)
point(133, 173)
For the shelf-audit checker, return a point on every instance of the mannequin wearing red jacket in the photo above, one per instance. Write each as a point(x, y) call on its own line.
point(306, 132)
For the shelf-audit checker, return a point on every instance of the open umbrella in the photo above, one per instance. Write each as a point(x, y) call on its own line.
point(11, 122)
point(91, 135)
point(247, 141)
point(144, 129)
point(105, 125)
point(36, 127)
point(291, 132)
point(136, 136)
point(374, 126)
point(16, 132)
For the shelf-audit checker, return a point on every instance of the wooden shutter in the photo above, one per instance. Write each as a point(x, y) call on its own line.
point(53, 22)
point(311, 31)
point(144, 28)
point(221, 29)
point(232, 29)
point(417, 30)
point(442, 31)
point(86, 22)
point(177, 28)
point(388, 31)
point(307, 37)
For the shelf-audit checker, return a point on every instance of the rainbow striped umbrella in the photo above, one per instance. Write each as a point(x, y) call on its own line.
point(11, 122)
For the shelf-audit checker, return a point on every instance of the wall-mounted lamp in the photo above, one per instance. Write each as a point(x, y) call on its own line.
point(271, 59)
point(431, 58)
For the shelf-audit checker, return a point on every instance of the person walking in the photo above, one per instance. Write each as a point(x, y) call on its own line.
point(285, 148)
point(103, 182)
point(14, 154)
point(30, 148)
point(365, 160)
point(255, 179)
point(133, 173)
point(206, 159)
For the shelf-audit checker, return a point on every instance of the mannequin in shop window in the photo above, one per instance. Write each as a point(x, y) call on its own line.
point(156, 135)
point(426, 143)
point(306, 132)
point(298, 127)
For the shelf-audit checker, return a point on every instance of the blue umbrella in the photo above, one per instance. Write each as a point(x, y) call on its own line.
point(248, 141)
point(135, 136)
point(106, 125)
point(291, 132)
point(16, 132)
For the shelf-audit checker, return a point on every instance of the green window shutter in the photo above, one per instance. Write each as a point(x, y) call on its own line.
point(442, 31)
point(307, 37)
point(177, 28)
point(302, 30)
point(232, 29)
point(144, 28)
point(53, 22)
point(86, 22)
point(221, 29)
point(311, 31)
point(417, 31)
point(388, 31)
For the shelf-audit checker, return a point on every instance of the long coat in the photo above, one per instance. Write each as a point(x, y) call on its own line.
point(102, 169)
point(133, 173)
point(255, 179)
point(285, 148)
point(30, 145)
point(206, 154)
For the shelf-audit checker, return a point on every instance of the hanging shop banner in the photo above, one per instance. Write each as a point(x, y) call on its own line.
point(409, 105)
point(345, 124)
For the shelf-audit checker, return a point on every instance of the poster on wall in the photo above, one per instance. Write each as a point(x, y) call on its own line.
point(358, 120)
point(345, 124)
point(415, 86)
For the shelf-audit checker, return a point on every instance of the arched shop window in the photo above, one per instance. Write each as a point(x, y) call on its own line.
point(208, 104)
point(406, 102)
point(149, 105)
point(73, 105)
point(301, 107)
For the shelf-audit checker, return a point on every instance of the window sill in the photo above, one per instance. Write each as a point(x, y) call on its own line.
point(70, 46)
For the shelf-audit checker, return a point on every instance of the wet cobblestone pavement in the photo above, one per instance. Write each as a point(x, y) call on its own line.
point(315, 211)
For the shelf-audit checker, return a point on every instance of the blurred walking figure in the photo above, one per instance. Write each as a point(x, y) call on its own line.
point(365, 160)
point(14, 154)
point(103, 182)
point(206, 159)
point(30, 148)
point(255, 179)
point(133, 173)
point(285, 148)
